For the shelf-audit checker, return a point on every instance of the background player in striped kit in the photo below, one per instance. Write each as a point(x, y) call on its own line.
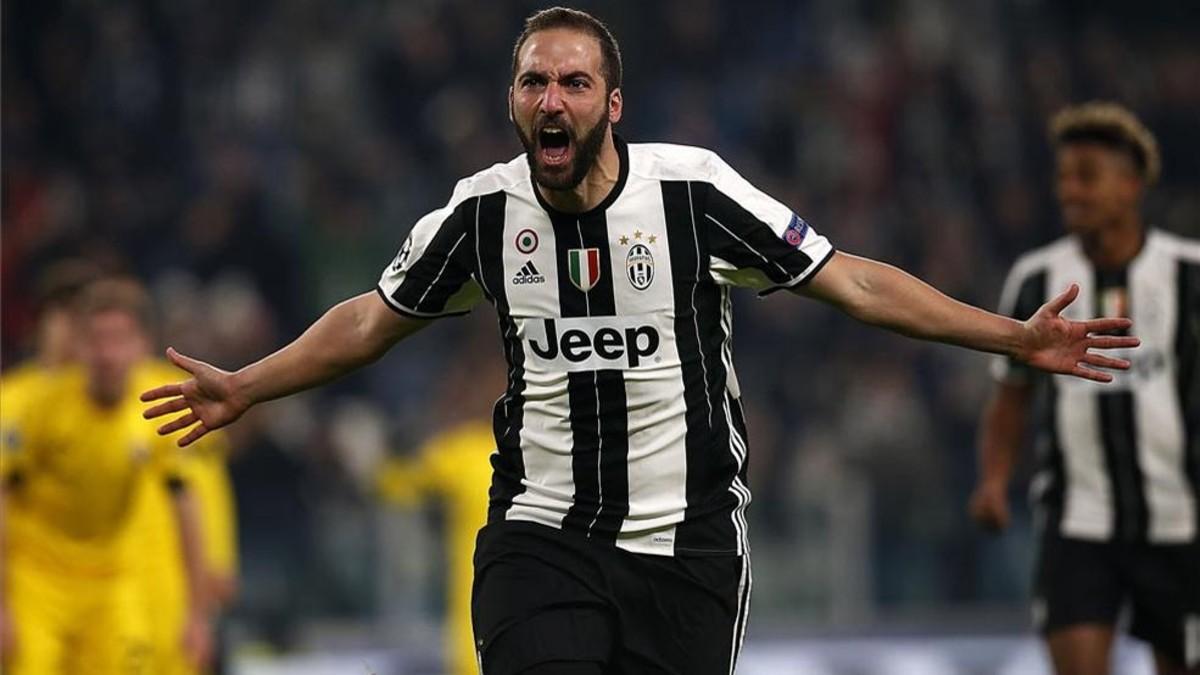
point(1119, 466)
point(616, 541)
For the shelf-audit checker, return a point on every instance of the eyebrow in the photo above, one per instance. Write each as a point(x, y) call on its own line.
point(568, 76)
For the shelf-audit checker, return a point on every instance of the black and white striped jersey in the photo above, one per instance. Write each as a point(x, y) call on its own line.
point(1119, 461)
point(622, 418)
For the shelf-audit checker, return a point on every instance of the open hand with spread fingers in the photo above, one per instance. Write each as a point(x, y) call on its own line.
point(1058, 345)
point(210, 400)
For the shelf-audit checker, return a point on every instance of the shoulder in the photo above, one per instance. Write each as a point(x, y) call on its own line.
point(1179, 247)
point(19, 380)
point(509, 176)
point(668, 161)
point(1042, 258)
point(154, 372)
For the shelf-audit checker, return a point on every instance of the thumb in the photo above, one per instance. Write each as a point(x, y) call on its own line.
point(185, 362)
point(1058, 304)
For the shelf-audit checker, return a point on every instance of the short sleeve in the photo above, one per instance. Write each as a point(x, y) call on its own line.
point(18, 429)
point(755, 241)
point(1023, 294)
point(431, 276)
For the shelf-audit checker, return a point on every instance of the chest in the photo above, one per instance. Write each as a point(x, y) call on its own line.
point(93, 450)
point(612, 263)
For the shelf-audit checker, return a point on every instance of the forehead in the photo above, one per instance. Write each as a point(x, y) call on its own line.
point(561, 50)
point(1083, 152)
point(112, 320)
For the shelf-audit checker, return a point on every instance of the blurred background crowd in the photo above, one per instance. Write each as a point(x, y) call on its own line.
point(255, 162)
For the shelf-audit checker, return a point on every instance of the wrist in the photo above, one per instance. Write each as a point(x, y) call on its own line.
point(241, 389)
point(200, 612)
point(1019, 337)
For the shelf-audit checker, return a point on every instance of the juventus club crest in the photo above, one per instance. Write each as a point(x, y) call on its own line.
point(639, 260)
point(583, 265)
point(639, 264)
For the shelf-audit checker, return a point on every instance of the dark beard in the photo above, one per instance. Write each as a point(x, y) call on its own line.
point(587, 150)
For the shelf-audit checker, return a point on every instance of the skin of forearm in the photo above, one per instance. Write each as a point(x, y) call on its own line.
point(1001, 433)
point(348, 336)
point(885, 296)
point(190, 537)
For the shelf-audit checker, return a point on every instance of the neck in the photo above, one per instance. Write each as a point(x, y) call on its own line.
point(1114, 246)
point(104, 399)
point(595, 186)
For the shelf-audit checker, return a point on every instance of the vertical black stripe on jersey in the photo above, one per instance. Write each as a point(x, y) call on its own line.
point(1030, 296)
point(599, 416)
point(710, 466)
point(1118, 435)
point(486, 226)
point(433, 279)
point(1050, 456)
point(754, 240)
point(1119, 439)
point(1187, 354)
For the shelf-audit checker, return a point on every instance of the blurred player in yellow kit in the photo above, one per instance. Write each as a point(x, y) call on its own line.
point(79, 465)
point(54, 340)
point(453, 466)
point(54, 349)
point(158, 551)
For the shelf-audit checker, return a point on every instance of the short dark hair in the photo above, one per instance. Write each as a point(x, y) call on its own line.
point(1113, 126)
point(574, 19)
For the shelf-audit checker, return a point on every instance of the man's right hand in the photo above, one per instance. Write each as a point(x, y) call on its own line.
point(210, 398)
point(989, 506)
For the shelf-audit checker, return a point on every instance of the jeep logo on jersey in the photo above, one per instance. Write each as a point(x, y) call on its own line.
point(639, 264)
point(601, 346)
point(583, 267)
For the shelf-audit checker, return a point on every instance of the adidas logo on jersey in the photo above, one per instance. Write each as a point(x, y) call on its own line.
point(528, 275)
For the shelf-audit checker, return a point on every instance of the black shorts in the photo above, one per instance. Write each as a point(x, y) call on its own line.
point(1081, 582)
point(542, 595)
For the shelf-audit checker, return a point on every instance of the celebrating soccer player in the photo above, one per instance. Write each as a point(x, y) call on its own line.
point(616, 537)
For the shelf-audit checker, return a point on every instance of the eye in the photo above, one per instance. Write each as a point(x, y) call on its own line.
point(531, 81)
point(577, 83)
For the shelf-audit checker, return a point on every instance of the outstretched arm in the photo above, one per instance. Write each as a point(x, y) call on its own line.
point(885, 296)
point(348, 336)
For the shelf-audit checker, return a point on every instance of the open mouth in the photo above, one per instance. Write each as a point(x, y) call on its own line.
point(554, 145)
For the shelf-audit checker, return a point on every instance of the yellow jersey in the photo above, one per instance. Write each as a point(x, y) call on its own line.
point(452, 466)
point(80, 470)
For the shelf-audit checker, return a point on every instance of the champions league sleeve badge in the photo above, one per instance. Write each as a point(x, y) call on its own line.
point(796, 230)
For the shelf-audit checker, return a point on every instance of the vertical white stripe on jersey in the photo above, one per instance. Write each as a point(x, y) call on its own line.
point(657, 465)
point(546, 438)
point(737, 444)
point(739, 617)
point(1088, 498)
point(1159, 421)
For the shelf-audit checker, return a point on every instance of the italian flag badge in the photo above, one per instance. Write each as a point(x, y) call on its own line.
point(584, 267)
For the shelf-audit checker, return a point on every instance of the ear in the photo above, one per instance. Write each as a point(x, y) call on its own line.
point(510, 104)
point(615, 106)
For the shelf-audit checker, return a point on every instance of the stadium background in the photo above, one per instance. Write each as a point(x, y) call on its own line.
point(255, 162)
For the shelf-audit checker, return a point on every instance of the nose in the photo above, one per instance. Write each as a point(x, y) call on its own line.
point(552, 101)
